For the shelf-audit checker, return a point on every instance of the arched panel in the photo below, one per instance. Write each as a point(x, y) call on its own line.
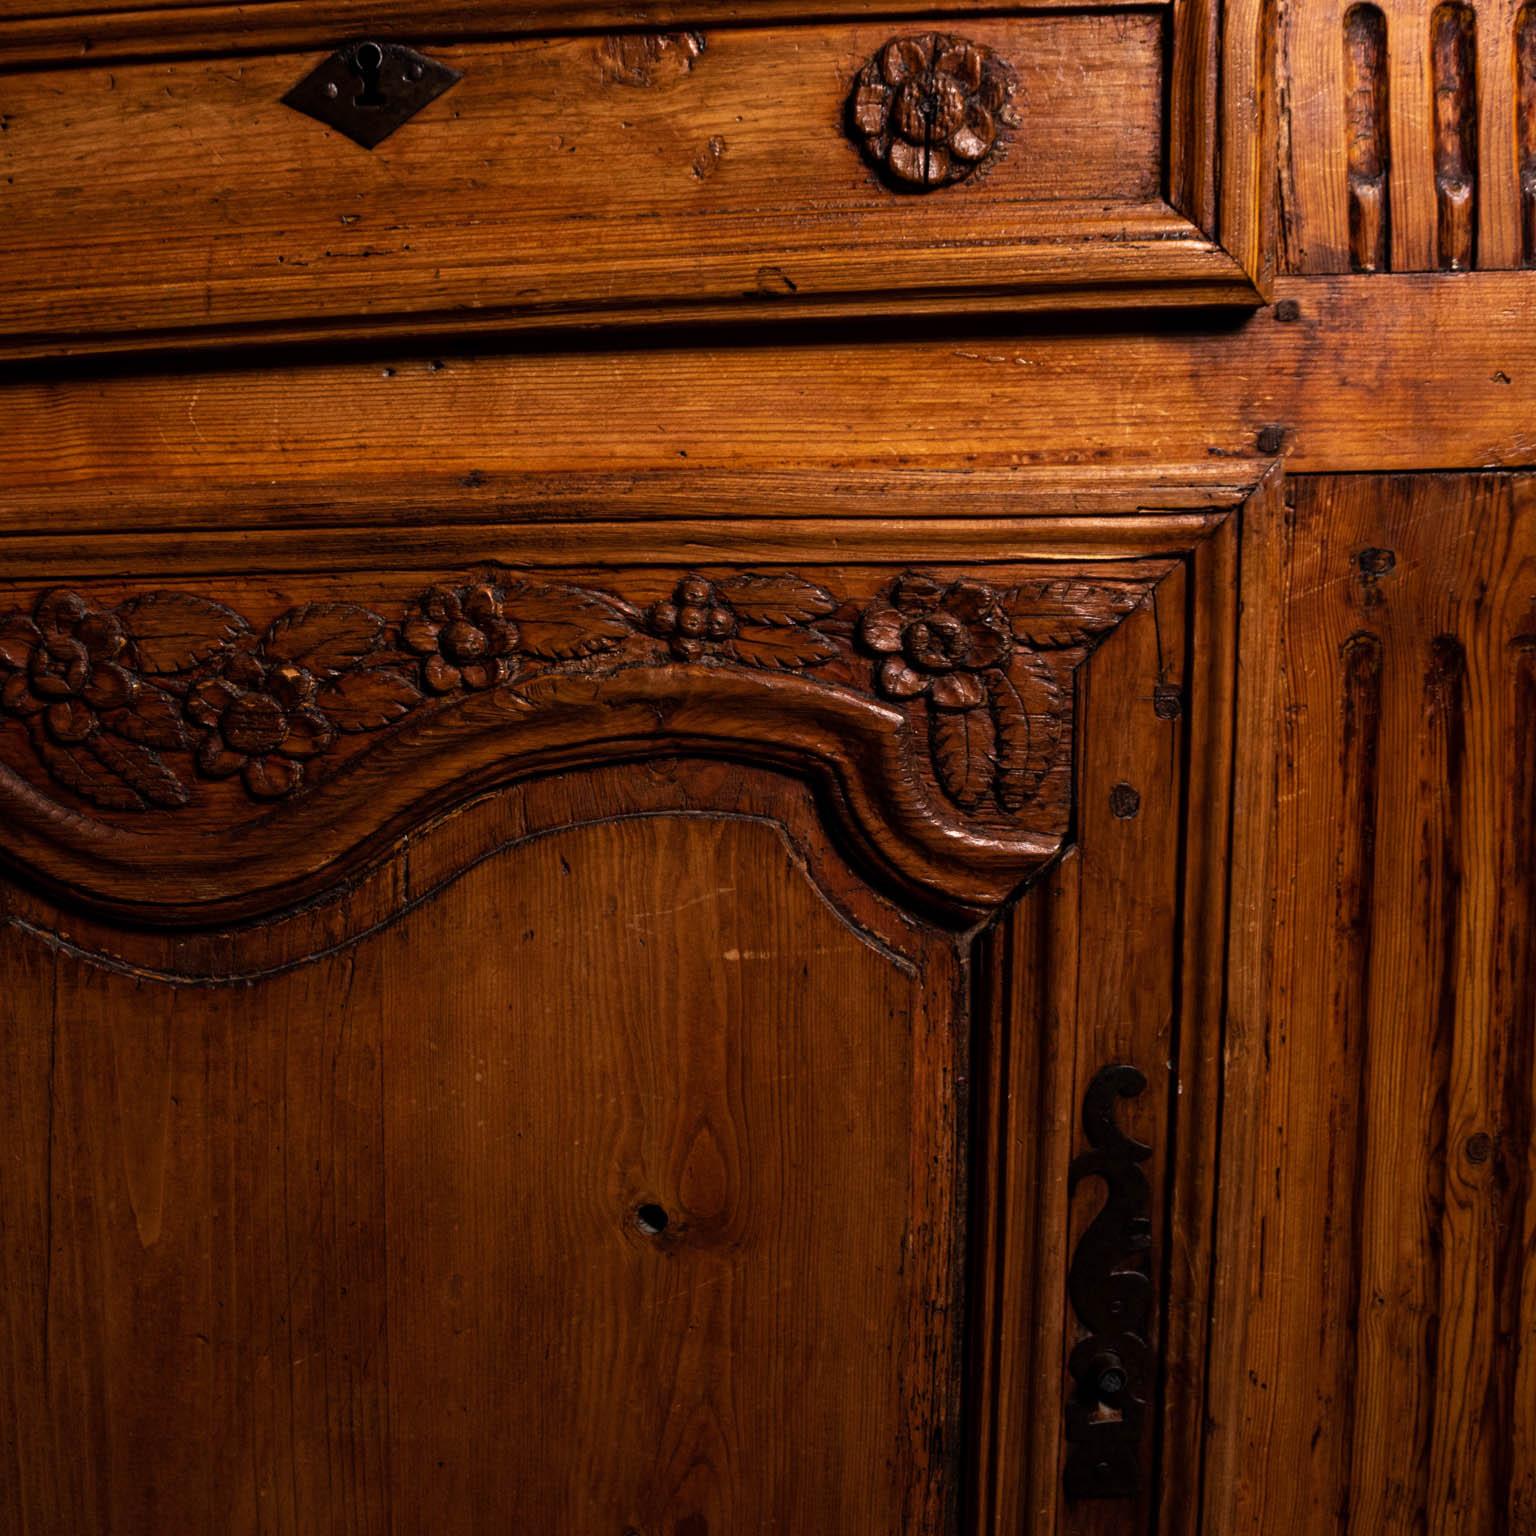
point(553, 1201)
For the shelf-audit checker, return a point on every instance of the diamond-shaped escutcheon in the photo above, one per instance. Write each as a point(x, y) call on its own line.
point(367, 90)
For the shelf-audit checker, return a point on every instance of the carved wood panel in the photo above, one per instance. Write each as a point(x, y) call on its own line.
point(435, 959)
point(935, 705)
point(546, 1178)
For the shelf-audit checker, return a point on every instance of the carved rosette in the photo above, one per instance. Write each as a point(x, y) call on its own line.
point(929, 110)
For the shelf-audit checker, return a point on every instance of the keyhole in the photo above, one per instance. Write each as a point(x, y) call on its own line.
point(367, 63)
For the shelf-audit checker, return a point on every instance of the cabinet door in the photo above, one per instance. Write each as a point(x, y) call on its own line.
point(520, 1046)
point(1383, 1287)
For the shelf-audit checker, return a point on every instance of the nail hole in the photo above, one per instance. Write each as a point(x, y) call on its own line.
point(1124, 801)
point(651, 1220)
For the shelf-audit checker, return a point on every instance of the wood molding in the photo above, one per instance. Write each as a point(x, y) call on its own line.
point(44, 32)
point(848, 430)
point(1106, 959)
point(167, 753)
point(1106, 196)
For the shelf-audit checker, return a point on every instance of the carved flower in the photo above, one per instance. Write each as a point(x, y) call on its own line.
point(929, 109)
point(65, 662)
point(464, 637)
point(936, 638)
point(261, 723)
point(695, 615)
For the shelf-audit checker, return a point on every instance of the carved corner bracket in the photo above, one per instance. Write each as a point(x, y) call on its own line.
point(164, 740)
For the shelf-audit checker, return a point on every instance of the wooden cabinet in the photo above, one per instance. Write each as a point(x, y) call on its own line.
point(743, 789)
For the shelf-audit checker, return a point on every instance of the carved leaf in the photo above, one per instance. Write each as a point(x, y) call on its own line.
point(1055, 615)
point(1013, 737)
point(75, 768)
point(786, 650)
point(368, 699)
point(325, 637)
point(1029, 700)
point(153, 719)
point(561, 623)
point(174, 630)
point(779, 599)
point(964, 748)
point(140, 767)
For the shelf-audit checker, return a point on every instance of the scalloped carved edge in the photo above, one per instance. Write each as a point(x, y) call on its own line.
point(930, 712)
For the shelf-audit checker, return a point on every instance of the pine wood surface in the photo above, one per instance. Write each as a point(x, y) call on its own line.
point(498, 776)
point(1050, 419)
point(1382, 1066)
point(626, 175)
point(380, 1220)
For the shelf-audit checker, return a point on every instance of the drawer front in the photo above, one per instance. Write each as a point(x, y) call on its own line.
point(852, 165)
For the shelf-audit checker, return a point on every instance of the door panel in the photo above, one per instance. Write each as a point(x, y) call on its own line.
point(671, 1116)
point(1387, 1295)
point(609, 1187)
point(534, 1087)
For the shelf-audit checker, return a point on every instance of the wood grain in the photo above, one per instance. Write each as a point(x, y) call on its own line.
point(356, 1244)
point(578, 176)
point(1386, 1280)
point(1048, 419)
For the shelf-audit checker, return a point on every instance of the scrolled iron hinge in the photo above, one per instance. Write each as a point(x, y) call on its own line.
point(1110, 1287)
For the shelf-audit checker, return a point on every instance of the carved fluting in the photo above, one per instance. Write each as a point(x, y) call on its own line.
point(928, 110)
point(129, 705)
point(1453, 62)
point(1430, 115)
point(1525, 128)
point(1111, 1293)
point(1367, 130)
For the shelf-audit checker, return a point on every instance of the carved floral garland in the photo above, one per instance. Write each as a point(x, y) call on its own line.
point(106, 691)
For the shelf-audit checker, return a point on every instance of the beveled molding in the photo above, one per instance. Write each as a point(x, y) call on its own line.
point(209, 748)
point(804, 240)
